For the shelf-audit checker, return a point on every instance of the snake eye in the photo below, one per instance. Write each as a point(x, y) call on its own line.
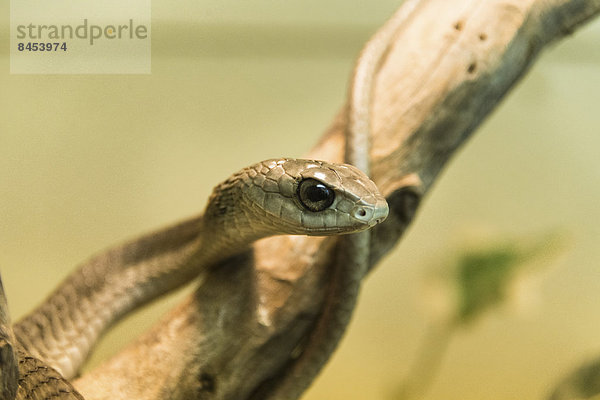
point(314, 195)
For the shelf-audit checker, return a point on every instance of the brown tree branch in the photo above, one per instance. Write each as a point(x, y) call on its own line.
point(241, 333)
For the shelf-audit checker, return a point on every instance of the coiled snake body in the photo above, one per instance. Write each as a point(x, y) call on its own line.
point(284, 196)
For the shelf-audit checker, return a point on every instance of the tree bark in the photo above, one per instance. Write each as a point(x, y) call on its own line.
point(243, 330)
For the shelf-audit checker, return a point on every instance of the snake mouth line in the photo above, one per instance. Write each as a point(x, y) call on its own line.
point(324, 231)
point(339, 231)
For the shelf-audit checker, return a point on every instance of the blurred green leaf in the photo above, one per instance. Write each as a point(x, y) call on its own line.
point(583, 383)
point(482, 279)
point(484, 276)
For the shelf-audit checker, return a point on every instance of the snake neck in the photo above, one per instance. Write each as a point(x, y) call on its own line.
point(232, 221)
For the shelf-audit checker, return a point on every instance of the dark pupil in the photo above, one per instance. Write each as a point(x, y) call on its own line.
point(315, 195)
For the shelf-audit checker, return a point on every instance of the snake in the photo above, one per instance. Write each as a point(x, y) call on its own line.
point(272, 197)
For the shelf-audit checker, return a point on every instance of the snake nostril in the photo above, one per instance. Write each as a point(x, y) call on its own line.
point(364, 215)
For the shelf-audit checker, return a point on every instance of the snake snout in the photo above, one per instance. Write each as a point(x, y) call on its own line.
point(380, 212)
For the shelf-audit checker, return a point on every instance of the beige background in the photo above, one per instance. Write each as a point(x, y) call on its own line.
point(87, 161)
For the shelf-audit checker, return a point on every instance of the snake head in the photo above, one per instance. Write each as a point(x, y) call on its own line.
point(308, 197)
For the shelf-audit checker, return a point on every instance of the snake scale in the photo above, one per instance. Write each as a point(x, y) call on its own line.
point(273, 197)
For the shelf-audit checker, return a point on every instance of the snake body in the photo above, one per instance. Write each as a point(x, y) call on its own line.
point(284, 196)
